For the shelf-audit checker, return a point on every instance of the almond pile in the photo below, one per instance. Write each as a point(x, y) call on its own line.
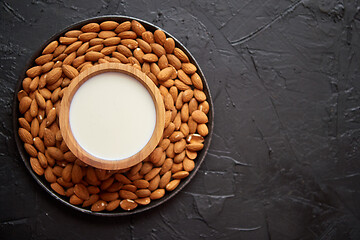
point(185, 124)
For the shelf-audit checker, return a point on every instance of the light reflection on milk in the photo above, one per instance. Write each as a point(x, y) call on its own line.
point(112, 116)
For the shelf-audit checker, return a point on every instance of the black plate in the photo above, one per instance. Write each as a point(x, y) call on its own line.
point(118, 212)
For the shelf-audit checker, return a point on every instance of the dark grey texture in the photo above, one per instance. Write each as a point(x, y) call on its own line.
point(284, 159)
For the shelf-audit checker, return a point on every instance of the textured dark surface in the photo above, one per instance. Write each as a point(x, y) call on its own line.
point(284, 159)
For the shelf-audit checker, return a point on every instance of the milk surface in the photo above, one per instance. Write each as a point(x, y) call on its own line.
point(112, 116)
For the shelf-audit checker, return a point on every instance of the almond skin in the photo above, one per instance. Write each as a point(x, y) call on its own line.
point(196, 81)
point(33, 72)
point(172, 185)
point(50, 48)
point(159, 37)
point(24, 104)
point(81, 191)
point(159, 193)
point(150, 57)
point(155, 156)
point(99, 206)
point(169, 45)
point(127, 194)
point(128, 204)
point(91, 27)
point(199, 116)
point(35, 165)
point(58, 189)
point(181, 55)
point(108, 25)
point(25, 136)
point(165, 74)
point(53, 76)
point(93, 56)
point(70, 71)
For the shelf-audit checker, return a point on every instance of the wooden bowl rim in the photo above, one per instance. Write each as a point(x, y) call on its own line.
point(76, 148)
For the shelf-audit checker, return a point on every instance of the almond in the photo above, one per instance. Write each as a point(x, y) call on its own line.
point(176, 136)
point(34, 129)
point(184, 77)
point(121, 57)
point(185, 112)
point(93, 56)
point(128, 204)
point(75, 200)
point(111, 206)
point(57, 188)
point(96, 48)
point(145, 46)
point(55, 153)
point(158, 49)
point(163, 62)
point(25, 124)
point(70, 71)
point(150, 175)
point(150, 57)
point(169, 130)
point(112, 41)
point(73, 47)
point(159, 37)
point(181, 55)
point(40, 100)
point(59, 50)
point(30, 149)
point(45, 93)
point(124, 50)
point(154, 183)
point(127, 35)
point(25, 136)
point(76, 174)
point(81, 191)
point(69, 59)
point(166, 166)
point(121, 178)
point(106, 34)
point(99, 206)
point(42, 158)
point(165, 74)
point(33, 72)
point(137, 27)
point(24, 104)
point(50, 48)
point(49, 175)
point(108, 25)
point(44, 69)
point(43, 59)
point(34, 108)
point(159, 193)
point(199, 95)
point(35, 165)
point(124, 194)
point(190, 154)
point(180, 175)
point(38, 143)
point(69, 156)
point(165, 179)
point(188, 68)
point(51, 117)
point(195, 147)
point(193, 105)
point(181, 86)
point(188, 164)
point(124, 26)
point(148, 37)
point(141, 183)
point(199, 117)
point(91, 176)
point(93, 189)
point(196, 81)
point(143, 201)
point(168, 102)
point(174, 61)
point(67, 40)
point(91, 27)
point(202, 129)
point(130, 43)
point(73, 33)
point(169, 45)
point(53, 76)
point(107, 183)
point(66, 173)
point(179, 146)
point(172, 185)
point(92, 199)
point(141, 193)
point(129, 187)
point(176, 167)
point(146, 167)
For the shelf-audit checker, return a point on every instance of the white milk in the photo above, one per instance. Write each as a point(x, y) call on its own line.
point(112, 116)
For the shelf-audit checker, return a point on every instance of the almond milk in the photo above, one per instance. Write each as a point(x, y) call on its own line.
point(112, 116)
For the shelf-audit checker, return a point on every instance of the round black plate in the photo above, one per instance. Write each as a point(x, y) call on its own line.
point(41, 180)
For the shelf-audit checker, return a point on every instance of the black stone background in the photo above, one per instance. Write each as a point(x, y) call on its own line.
point(284, 160)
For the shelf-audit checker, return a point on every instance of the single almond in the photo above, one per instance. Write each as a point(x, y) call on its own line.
point(188, 164)
point(154, 183)
point(143, 201)
point(92, 199)
point(53, 76)
point(30, 149)
point(73, 47)
point(184, 77)
point(33, 72)
point(159, 193)
point(199, 116)
point(93, 56)
point(55, 153)
point(128, 204)
point(158, 49)
point(130, 43)
point(165, 179)
point(159, 37)
point(106, 34)
point(75, 200)
point(124, 26)
point(194, 147)
point(91, 27)
point(112, 41)
point(150, 57)
point(50, 48)
point(181, 55)
point(172, 185)
point(58, 188)
point(73, 33)
point(24, 104)
point(180, 174)
point(196, 81)
point(188, 68)
point(174, 61)
point(150, 175)
point(35, 165)
point(25, 136)
point(165, 74)
point(124, 194)
point(148, 37)
point(70, 71)
point(108, 25)
point(112, 205)
point(99, 206)
point(49, 175)
point(180, 85)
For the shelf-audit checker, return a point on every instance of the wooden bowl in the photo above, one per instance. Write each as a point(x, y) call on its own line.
point(74, 145)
